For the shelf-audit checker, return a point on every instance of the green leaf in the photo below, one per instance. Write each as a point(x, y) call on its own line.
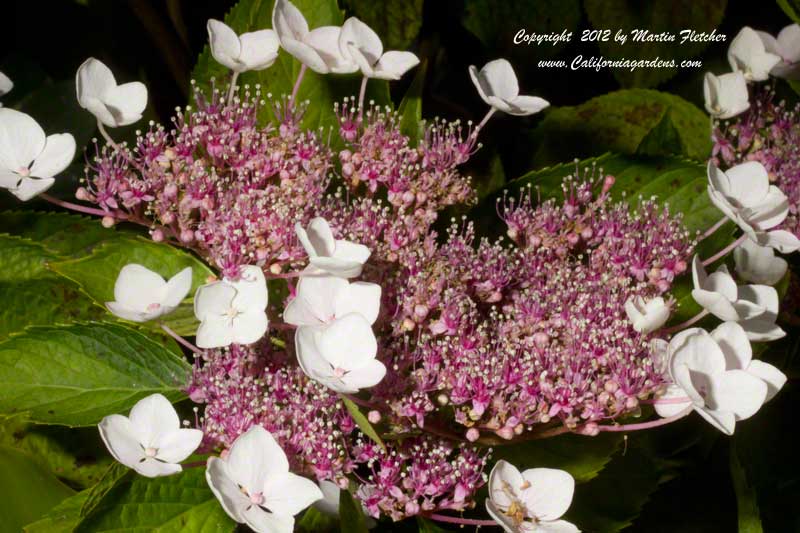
point(322, 90)
point(746, 502)
point(397, 22)
point(42, 302)
point(28, 490)
point(97, 273)
point(22, 259)
point(495, 24)
point(410, 109)
point(62, 233)
point(581, 456)
point(314, 521)
point(664, 138)
point(62, 518)
point(362, 422)
point(178, 503)
point(619, 122)
point(112, 477)
point(75, 375)
point(657, 17)
point(75, 456)
point(791, 8)
point(351, 515)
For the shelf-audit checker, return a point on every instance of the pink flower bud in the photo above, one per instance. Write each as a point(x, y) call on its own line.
point(473, 434)
point(374, 417)
point(157, 235)
point(187, 236)
point(108, 222)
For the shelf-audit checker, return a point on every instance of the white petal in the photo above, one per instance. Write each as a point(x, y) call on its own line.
point(121, 439)
point(21, 140)
point(288, 21)
point(337, 267)
point(177, 445)
point(255, 457)
point(251, 289)
point(316, 300)
point(225, 488)
point(504, 476)
point(763, 296)
point(762, 329)
point(358, 34)
point(308, 354)
point(59, 150)
point(213, 299)
point(306, 54)
point(781, 240)
point(774, 378)
point(261, 521)
point(325, 40)
point(249, 327)
point(137, 287)
point(214, 332)
point(667, 404)
point(29, 187)
point(359, 297)
point(126, 103)
point(736, 391)
point(557, 526)
point(732, 340)
point(759, 264)
point(696, 349)
point(498, 79)
point(259, 49)
point(365, 376)
point(93, 81)
point(722, 420)
point(474, 73)
point(348, 342)
point(152, 417)
point(749, 182)
point(747, 54)
point(5, 84)
point(178, 287)
point(124, 312)
point(550, 492)
point(770, 212)
point(225, 45)
point(716, 304)
point(526, 105)
point(393, 64)
point(503, 520)
point(288, 493)
point(329, 504)
point(789, 41)
point(699, 275)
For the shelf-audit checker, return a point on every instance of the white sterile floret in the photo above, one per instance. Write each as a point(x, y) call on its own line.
point(337, 257)
point(748, 55)
point(759, 264)
point(787, 47)
point(360, 44)
point(726, 96)
point(113, 105)
point(497, 84)
point(647, 315)
point(141, 295)
point(249, 51)
point(320, 300)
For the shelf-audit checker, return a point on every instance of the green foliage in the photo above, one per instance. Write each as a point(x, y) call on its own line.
point(362, 422)
point(351, 515)
point(491, 22)
point(97, 273)
point(397, 22)
point(179, 503)
point(62, 233)
point(279, 79)
point(657, 17)
point(75, 375)
point(621, 122)
point(22, 259)
point(28, 490)
point(410, 109)
point(583, 457)
point(747, 506)
point(74, 456)
point(62, 518)
point(791, 8)
point(314, 521)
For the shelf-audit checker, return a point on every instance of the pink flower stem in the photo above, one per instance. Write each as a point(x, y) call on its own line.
point(485, 120)
point(361, 93)
point(461, 521)
point(722, 253)
point(181, 340)
point(647, 425)
point(75, 207)
point(721, 222)
point(297, 82)
point(229, 99)
point(683, 325)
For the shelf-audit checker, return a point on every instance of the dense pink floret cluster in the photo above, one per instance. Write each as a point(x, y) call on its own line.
point(483, 340)
point(769, 132)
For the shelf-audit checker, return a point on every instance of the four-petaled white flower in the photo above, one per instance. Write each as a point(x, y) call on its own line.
point(647, 315)
point(497, 84)
point(141, 295)
point(759, 264)
point(726, 95)
point(326, 254)
point(745, 195)
point(748, 55)
point(255, 487)
point(150, 440)
point(318, 49)
point(360, 44)
point(113, 105)
point(249, 51)
point(5, 85)
point(533, 500)
point(28, 158)
point(717, 377)
point(322, 299)
point(341, 354)
point(787, 47)
point(232, 311)
point(755, 307)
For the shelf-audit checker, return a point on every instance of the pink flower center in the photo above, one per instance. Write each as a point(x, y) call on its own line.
point(24, 172)
point(339, 372)
point(153, 307)
point(150, 452)
point(257, 498)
